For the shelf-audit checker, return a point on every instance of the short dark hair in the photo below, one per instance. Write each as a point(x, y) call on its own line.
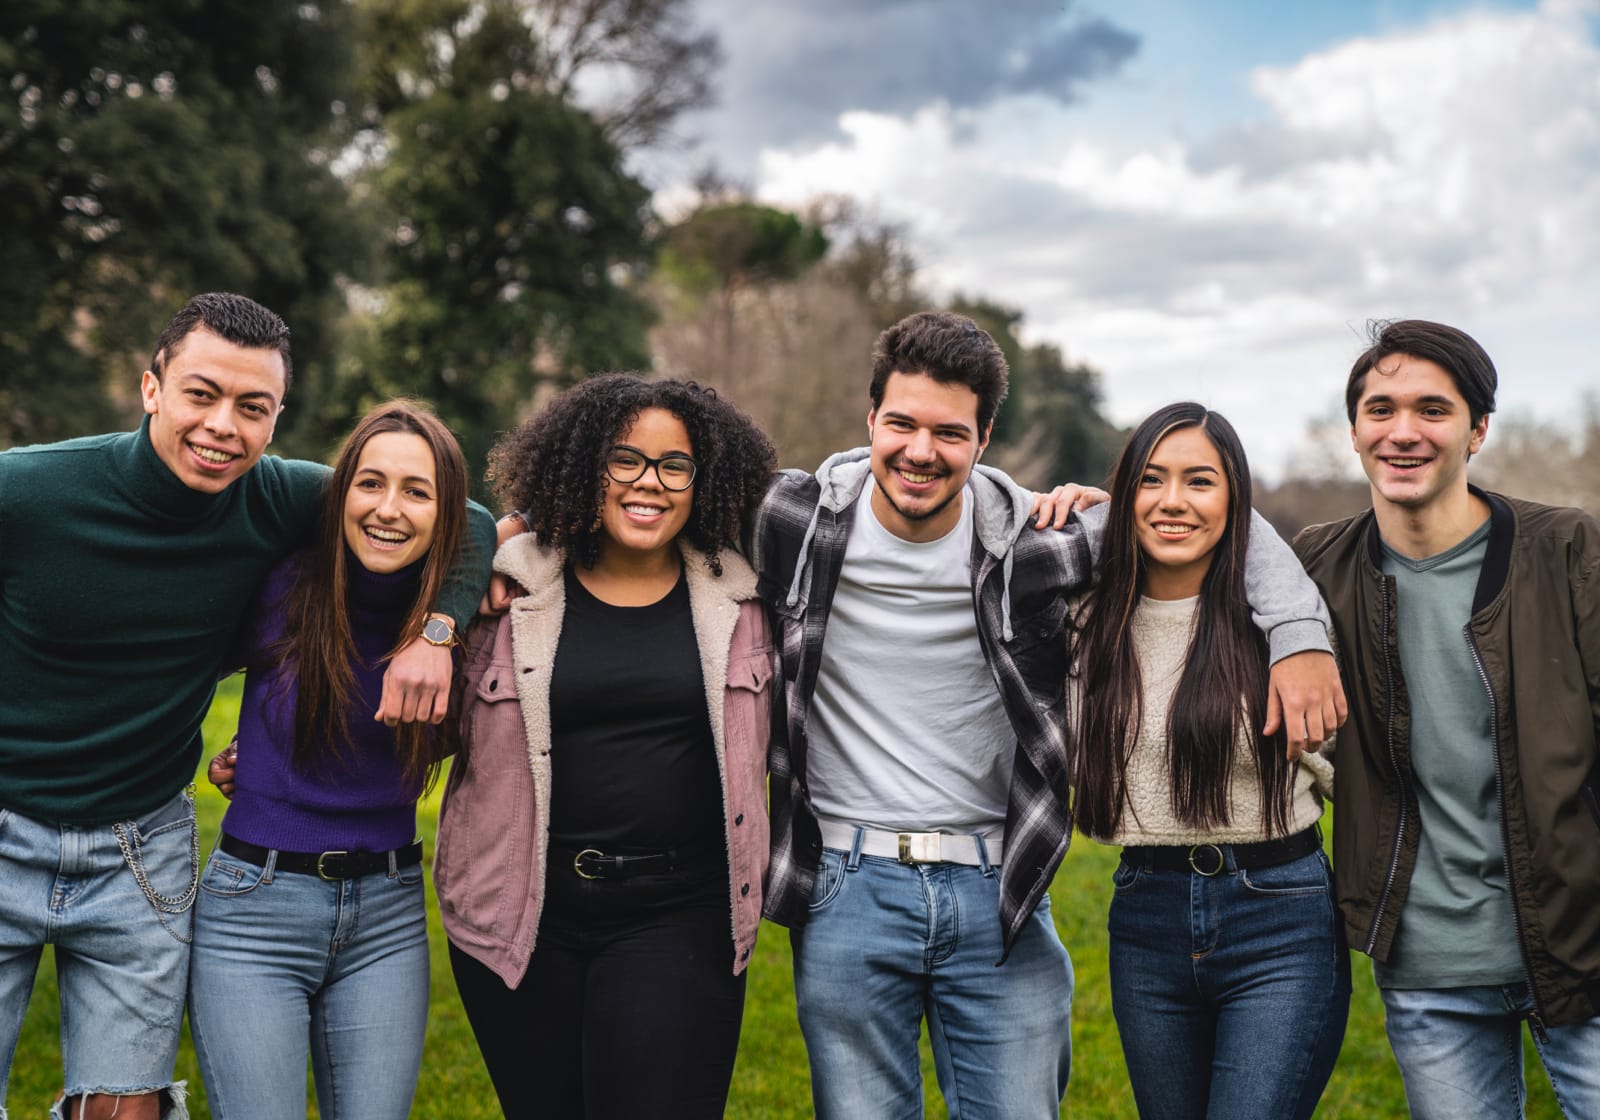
point(238, 319)
point(948, 348)
point(552, 468)
point(1452, 350)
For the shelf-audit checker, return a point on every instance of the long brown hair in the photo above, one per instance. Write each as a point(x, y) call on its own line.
point(317, 642)
point(1227, 658)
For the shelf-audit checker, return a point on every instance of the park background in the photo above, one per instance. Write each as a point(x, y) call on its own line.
point(478, 202)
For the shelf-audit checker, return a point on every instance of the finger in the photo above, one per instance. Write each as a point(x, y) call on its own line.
point(1274, 713)
point(441, 705)
point(387, 704)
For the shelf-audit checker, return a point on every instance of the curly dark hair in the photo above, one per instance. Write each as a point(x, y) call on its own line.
point(552, 468)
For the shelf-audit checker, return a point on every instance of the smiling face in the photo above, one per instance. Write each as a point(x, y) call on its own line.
point(392, 505)
point(1180, 512)
point(925, 441)
point(1414, 432)
point(213, 408)
point(643, 516)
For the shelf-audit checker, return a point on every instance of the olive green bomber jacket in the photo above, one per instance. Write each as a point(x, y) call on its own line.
point(1535, 634)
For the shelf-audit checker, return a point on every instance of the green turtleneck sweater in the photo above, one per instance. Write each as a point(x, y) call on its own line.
point(120, 590)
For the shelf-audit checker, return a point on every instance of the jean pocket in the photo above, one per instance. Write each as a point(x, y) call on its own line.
point(1126, 876)
point(409, 876)
point(227, 877)
point(1307, 875)
point(830, 877)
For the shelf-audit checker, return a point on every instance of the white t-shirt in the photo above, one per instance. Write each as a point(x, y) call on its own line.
point(907, 730)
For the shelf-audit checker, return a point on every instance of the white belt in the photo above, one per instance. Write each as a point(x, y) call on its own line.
point(913, 847)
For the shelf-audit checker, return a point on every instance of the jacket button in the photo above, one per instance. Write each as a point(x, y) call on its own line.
point(739, 819)
point(744, 956)
point(745, 889)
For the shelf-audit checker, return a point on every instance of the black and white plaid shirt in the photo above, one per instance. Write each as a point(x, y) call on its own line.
point(1019, 576)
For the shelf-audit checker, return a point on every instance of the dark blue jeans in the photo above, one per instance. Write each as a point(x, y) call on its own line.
point(1230, 992)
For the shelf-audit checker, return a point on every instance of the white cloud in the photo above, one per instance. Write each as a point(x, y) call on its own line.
point(1448, 171)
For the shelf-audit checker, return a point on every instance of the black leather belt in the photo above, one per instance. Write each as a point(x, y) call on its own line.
point(327, 865)
point(1212, 859)
point(592, 863)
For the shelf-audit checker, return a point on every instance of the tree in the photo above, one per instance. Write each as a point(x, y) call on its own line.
point(514, 232)
point(151, 150)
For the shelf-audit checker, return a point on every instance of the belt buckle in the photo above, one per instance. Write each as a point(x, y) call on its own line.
point(578, 859)
point(1198, 870)
point(919, 847)
point(323, 873)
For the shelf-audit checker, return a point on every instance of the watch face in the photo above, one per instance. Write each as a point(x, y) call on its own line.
point(437, 631)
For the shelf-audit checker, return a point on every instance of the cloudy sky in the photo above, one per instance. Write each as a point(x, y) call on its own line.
point(1204, 200)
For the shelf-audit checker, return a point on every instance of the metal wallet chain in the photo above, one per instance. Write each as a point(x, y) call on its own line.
point(133, 855)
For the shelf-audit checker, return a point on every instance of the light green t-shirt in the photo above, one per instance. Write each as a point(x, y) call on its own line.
point(1456, 929)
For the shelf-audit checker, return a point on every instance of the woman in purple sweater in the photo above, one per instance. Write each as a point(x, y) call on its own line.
point(310, 931)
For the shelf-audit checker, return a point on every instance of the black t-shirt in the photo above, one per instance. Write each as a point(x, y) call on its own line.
point(633, 761)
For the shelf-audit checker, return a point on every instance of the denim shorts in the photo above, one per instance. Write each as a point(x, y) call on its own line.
point(116, 901)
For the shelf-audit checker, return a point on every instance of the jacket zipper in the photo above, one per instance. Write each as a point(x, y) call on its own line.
point(1394, 762)
point(1536, 1016)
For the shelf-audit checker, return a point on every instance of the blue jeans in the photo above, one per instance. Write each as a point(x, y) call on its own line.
point(1230, 992)
point(1460, 1053)
point(122, 951)
point(889, 943)
point(286, 963)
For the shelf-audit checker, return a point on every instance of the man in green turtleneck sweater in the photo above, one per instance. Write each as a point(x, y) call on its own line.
point(126, 563)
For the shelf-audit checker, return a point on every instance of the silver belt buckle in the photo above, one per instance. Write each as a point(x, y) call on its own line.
point(919, 847)
point(1215, 851)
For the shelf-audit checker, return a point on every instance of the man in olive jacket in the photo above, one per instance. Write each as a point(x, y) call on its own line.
point(1467, 835)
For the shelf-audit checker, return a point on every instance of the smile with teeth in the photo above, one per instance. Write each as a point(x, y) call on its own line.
point(212, 455)
point(916, 478)
point(1396, 461)
point(385, 538)
point(642, 510)
point(1173, 528)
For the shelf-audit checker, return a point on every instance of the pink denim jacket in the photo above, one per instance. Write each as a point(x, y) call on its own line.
point(489, 862)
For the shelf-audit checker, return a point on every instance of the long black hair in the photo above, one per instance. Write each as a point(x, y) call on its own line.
point(1220, 696)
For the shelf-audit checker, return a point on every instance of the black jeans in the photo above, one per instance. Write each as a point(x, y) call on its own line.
point(629, 1007)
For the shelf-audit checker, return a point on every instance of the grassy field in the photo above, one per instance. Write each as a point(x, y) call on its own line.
point(770, 1081)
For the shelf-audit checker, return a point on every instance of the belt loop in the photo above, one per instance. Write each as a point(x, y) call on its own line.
point(854, 862)
point(983, 854)
point(270, 866)
point(394, 864)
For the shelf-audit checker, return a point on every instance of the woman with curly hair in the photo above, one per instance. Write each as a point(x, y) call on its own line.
point(1229, 976)
point(605, 828)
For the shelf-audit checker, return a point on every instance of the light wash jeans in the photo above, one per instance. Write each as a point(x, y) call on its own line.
point(120, 961)
point(889, 943)
point(286, 963)
point(1230, 991)
point(1460, 1053)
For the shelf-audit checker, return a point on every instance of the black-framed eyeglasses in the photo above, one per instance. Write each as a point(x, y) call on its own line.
point(628, 464)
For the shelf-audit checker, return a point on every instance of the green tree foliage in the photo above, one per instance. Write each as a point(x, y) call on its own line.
point(514, 232)
point(727, 246)
point(1050, 430)
point(149, 150)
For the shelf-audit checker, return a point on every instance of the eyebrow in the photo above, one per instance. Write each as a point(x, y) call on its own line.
point(1200, 468)
point(1427, 398)
point(422, 478)
point(217, 389)
point(947, 426)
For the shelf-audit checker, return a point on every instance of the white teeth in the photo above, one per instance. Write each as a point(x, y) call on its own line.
point(1406, 462)
point(918, 478)
point(211, 456)
point(1174, 530)
point(388, 536)
point(642, 511)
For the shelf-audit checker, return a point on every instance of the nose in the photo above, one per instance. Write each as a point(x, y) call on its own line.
point(1172, 499)
point(219, 418)
point(1404, 428)
point(919, 448)
point(389, 504)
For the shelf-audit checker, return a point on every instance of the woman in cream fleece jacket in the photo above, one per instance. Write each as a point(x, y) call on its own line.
point(1230, 980)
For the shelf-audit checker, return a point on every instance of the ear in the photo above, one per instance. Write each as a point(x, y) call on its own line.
point(1480, 432)
point(984, 442)
point(150, 392)
point(872, 419)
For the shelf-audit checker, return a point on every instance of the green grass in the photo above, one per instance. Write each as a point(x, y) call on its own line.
point(770, 1081)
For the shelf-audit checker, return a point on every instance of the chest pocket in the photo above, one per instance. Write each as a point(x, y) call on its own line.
point(1038, 648)
point(748, 699)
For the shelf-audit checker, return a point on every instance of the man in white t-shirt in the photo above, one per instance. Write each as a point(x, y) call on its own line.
point(919, 781)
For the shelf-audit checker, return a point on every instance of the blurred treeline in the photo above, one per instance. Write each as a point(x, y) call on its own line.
point(440, 198)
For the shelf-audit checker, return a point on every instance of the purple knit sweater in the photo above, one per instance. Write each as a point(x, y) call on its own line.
point(364, 802)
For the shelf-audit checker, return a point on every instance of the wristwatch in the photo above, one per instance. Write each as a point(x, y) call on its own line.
point(439, 632)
